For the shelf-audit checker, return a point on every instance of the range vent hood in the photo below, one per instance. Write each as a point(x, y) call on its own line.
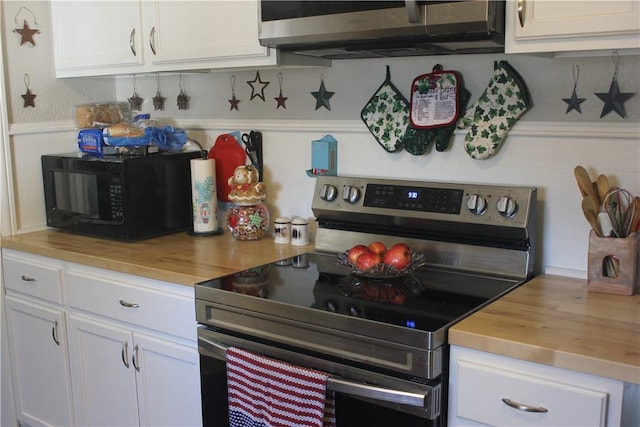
point(383, 28)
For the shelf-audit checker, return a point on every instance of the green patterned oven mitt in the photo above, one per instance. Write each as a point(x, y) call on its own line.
point(386, 115)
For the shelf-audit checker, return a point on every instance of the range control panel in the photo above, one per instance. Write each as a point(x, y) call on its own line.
point(459, 202)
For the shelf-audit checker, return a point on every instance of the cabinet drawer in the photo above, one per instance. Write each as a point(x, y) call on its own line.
point(482, 388)
point(32, 275)
point(132, 303)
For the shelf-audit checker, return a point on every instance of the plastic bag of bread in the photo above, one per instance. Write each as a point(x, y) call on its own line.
point(101, 115)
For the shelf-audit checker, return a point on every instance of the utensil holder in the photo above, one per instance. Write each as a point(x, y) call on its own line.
point(613, 264)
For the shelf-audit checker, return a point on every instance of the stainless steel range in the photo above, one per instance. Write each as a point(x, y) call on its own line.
point(384, 343)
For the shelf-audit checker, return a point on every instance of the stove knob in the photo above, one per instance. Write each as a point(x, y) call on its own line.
point(351, 193)
point(353, 311)
point(506, 206)
point(331, 306)
point(477, 204)
point(328, 192)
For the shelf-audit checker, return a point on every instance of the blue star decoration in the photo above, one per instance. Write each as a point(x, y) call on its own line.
point(254, 92)
point(574, 102)
point(322, 97)
point(614, 100)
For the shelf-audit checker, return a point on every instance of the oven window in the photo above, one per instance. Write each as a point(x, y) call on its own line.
point(350, 411)
point(77, 193)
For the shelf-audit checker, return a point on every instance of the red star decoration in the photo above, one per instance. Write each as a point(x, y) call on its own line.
point(281, 100)
point(234, 103)
point(27, 34)
point(29, 99)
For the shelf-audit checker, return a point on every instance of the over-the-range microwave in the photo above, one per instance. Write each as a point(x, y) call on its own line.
point(364, 29)
point(122, 198)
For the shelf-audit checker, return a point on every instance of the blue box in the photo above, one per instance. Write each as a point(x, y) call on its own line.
point(324, 157)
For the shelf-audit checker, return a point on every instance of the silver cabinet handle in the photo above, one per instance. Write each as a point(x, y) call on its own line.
point(134, 358)
point(412, 10)
point(521, 12)
point(132, 41)
point(128, 304)
point(27, 278)
point(125, 354)
point(152, 40)
point(522, 407)
point(54, 333)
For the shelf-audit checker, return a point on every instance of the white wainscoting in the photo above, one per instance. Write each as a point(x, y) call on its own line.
point(539, 154)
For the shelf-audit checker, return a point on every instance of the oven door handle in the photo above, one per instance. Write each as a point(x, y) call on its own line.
point(351, 388)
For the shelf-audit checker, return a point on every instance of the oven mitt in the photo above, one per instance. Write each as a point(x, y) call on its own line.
point(416, 141)
point(386, 115)
point(491, 117)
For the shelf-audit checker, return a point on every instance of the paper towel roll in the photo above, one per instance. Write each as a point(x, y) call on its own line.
point(203, 190)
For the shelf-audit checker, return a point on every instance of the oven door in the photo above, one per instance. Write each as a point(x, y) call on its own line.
point(362, 397)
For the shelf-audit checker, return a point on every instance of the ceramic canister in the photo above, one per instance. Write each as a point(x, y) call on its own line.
point(282, 230)
point(299, 232)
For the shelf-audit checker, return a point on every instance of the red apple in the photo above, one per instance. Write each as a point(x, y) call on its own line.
point(368, 260)
point(377, 248)
point(398, 256)
point(355, 252)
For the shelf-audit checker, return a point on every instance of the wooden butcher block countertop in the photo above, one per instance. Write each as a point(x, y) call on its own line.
point(553, 320)
point(176, 258)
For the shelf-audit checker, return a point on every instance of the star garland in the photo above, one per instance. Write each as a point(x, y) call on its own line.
point(574, 102)
point(257, 81)
point(614, 99)
point(233, 101)
point(322, 96)
point(26, 33)
point(281, 99)
point(28, 97)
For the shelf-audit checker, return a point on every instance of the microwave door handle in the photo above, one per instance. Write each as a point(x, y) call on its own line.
point(218, 351)
point(412, 11)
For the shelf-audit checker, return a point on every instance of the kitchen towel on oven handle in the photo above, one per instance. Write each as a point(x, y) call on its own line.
point(269, 392)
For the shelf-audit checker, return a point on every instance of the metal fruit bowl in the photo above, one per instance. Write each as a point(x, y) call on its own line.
point(382, 270)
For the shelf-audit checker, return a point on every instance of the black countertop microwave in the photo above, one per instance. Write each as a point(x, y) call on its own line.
point(121, 198)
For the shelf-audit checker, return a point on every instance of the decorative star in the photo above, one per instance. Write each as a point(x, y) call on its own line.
point(234, 103)
point(183, 101)
point(135, 102)
point(29, 99)
point(26, 34)
point(158, 101)
point(574, 102)
point(257, 80)
point(281, 100)
point(322, 97)
point(614, 100)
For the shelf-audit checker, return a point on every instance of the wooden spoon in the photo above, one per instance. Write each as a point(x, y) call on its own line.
point(590, 210)
point(602, 183)
point(635, 222)
point(584, 183)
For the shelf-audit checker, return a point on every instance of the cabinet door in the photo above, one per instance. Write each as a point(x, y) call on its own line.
point(90, 36)
point(103, 375)
point(539, 25)
point(202, 34)
point(168, 379)
point(40, 364)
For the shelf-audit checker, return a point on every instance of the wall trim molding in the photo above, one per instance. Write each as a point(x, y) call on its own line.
point(608, 130)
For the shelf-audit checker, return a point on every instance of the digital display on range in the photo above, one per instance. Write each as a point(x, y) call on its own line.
point(424, 199)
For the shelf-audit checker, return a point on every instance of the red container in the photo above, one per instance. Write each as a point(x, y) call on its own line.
point(228, 155)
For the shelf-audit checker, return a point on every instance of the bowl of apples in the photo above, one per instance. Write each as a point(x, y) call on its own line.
point(376, 261)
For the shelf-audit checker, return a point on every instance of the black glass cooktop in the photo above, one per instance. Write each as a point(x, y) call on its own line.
point(426, 299)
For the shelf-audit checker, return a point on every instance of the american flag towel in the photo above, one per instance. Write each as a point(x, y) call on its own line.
point(264, 392)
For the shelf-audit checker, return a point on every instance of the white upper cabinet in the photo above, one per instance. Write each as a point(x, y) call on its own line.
point(560, 26)
point(94, 38)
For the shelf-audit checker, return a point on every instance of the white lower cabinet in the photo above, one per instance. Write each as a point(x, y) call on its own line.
point(490, 390)
point(39, 363)
point(126, 378)
point(91, 347)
